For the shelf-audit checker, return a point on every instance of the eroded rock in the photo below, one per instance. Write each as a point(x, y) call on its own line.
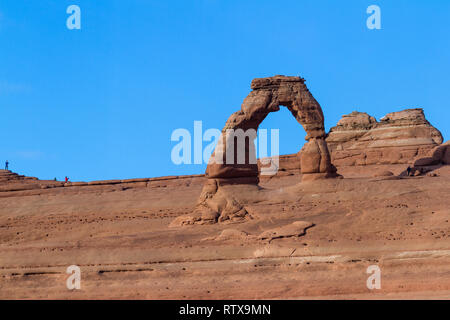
point(295, 229)
point(383, 173)
point(399, 137)
point(234, 159)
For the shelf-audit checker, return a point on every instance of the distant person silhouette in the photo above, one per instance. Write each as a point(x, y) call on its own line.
point(408, 170)
point(6, 165)
point(67, 179)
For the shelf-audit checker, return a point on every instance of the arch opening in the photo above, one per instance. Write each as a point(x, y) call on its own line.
point(279, 140)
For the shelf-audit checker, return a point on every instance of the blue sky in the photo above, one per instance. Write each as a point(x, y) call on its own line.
point(102, 102)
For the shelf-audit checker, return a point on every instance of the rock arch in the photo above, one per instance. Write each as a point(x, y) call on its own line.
point(267, 95)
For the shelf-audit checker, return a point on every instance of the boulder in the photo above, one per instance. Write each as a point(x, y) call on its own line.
point(438, 155)
point(425, 161)
point(295, 229)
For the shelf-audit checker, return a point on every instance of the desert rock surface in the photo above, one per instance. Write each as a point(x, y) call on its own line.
point(303, 240)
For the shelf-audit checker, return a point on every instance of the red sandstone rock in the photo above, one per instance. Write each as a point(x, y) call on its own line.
point(13, 184)
point(267, 96)
point(401, 223)
point(446, 155)
point(438, 155)
point(227, 168)
point(103, 182)
point(358, 139)
point(79, 184)
point(135, 180)
point(383, 173)
point(297, 228)
point(399, 138)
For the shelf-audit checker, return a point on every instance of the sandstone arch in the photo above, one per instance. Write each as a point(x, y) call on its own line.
point(267, 95)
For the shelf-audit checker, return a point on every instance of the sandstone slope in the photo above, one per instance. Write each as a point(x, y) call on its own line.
point(308, 240)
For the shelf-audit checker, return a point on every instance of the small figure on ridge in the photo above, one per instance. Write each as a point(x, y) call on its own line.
point(6, 165)
point(408, 171)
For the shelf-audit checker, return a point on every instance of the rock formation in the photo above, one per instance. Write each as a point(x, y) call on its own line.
point(438, 155)
point(7, 176)
point(297, 228)
point(267, 96)
point(399, 137)
point(13, 184)
point(235, 163)
point(359, 139)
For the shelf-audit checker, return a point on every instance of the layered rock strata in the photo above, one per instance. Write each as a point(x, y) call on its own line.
point(359, 139)
point(399, 137)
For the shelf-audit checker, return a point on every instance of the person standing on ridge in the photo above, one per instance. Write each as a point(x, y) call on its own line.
point(67, 179)
point(408, 170)
point(6, 165)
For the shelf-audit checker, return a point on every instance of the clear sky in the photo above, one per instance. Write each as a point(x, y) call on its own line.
point(102, 102)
